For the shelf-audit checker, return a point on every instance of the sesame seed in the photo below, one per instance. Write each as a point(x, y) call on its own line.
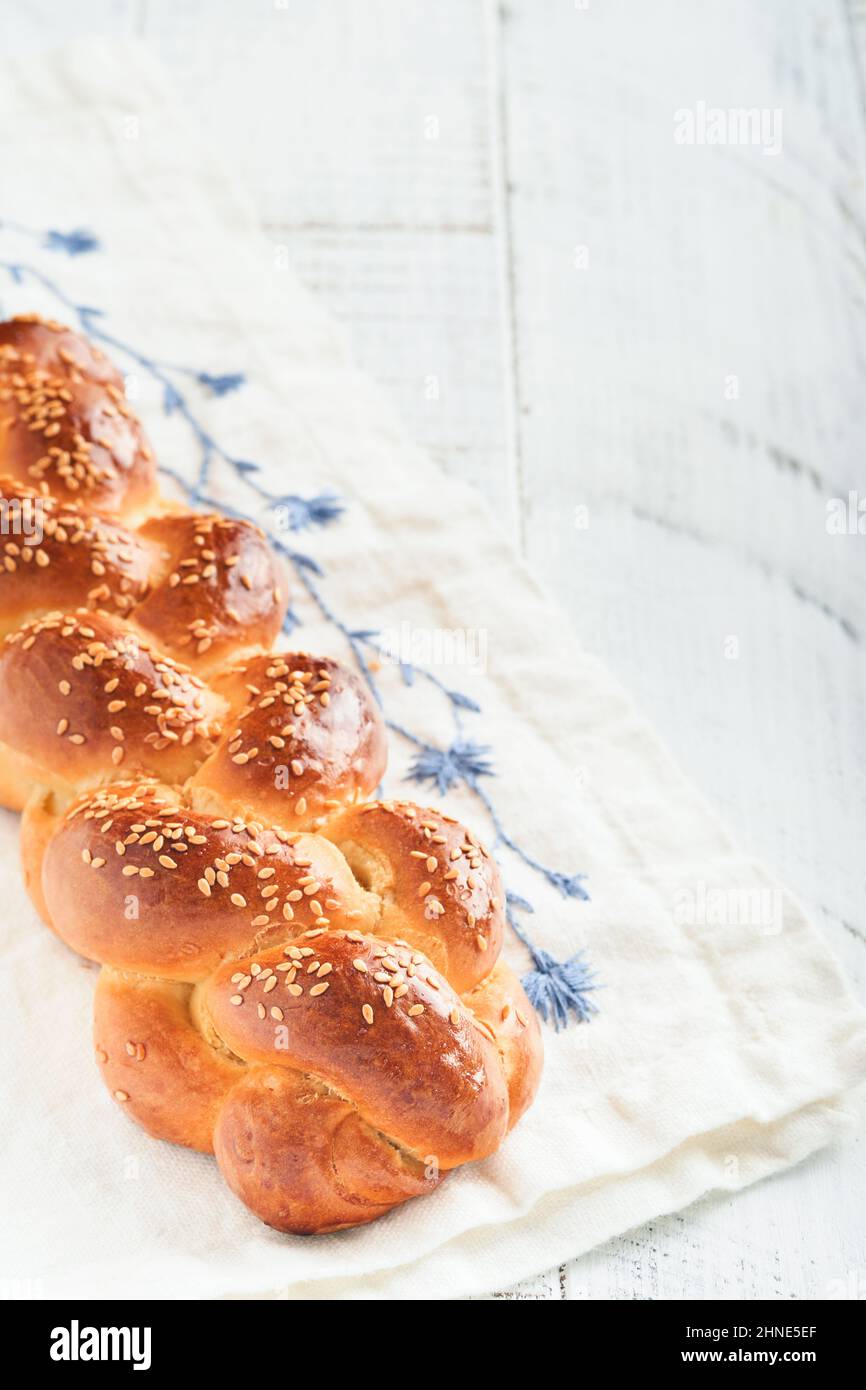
point(367, 1013)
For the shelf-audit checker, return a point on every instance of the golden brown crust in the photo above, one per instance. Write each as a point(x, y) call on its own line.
point(58, 555)
point(223, 592)
point(304, 1160)
point(85, 698)
point(39, 821)
point(499, 1002)
point(58, 350)
point(65, 425)
point(201, 587)
point(136, 879)
point(305, 737)
point(375, 1021)
point(335, 1069)
point(156, 1064)
point(439, 887)
point(303, 982)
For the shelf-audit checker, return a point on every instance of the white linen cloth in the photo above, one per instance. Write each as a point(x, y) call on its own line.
point(720, 1053)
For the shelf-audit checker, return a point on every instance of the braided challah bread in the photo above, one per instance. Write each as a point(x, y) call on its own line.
point(65, 424)
point(302, 981)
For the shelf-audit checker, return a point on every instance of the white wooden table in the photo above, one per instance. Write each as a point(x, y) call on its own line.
point(573, 310)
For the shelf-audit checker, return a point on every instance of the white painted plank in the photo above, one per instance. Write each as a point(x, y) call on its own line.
point(25, 29)
point(706, 515)
point(364, 138)
point(423, 311)
point(340, 115)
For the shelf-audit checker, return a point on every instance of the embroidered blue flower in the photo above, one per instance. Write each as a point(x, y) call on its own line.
point(295, 513)
point(557, 989)
point(221, 385)
point(462, 762)
point(76, 243)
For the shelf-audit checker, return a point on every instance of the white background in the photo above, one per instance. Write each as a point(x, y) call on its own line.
point(574, 311)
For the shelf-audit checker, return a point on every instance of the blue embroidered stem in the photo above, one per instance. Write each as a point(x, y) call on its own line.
point(569, 885)
point(558, 989)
